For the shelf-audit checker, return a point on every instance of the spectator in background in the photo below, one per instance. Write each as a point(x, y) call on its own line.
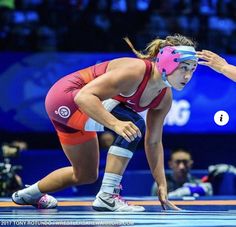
point(217, 63)
point(6, 12)
point(10, 181)
point(180, 182)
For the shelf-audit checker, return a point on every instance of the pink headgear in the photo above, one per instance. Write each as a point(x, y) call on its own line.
point(169, 58)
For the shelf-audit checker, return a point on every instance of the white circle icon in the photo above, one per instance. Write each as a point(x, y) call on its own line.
point(221, 118)
point(63, 111)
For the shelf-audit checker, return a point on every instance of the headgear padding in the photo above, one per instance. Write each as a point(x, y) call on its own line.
point(166, 60)
point(169, 58)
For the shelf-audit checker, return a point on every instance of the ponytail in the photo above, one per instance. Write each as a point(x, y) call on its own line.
point(154, 47)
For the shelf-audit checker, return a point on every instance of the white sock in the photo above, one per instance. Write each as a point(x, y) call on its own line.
point(33, 191)
point(110, 182)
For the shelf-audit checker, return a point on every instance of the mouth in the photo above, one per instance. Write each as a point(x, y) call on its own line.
point(183, 83)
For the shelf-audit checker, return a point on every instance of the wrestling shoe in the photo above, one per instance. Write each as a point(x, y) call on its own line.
point(109, 202)
point(44, 202)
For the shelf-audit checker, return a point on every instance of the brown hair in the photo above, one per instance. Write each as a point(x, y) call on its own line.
point(154, 47)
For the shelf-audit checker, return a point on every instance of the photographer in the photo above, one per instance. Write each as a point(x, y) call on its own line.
point(9, 179)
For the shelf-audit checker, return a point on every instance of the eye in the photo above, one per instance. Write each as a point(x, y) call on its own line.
point(185, 68)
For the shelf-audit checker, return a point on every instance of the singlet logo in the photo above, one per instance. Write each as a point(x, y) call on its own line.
point(63, 111)
point(130, 102)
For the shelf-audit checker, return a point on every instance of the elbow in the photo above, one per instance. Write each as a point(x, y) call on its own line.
point(152, 142)
point(84, 99)
point(152, 145)
point(80, 99)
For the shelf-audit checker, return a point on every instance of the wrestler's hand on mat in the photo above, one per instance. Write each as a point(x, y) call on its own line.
point(128, 130)
point(165, 203)
point(212, 60)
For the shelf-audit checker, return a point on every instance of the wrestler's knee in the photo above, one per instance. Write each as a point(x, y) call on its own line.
point(121, 147)
point(140, 123)
point(85, 177)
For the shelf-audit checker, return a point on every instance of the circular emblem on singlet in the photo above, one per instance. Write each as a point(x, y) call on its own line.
point(63, 111)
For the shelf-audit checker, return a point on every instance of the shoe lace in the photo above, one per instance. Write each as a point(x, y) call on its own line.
point(42, 202)
point(119, 198)
point(117, 189)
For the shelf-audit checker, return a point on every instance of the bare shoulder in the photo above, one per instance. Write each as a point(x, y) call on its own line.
point(133, 65)
point(122, 76)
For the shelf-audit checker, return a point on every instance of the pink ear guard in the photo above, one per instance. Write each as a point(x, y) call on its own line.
point(166, 60)
point(169, 58)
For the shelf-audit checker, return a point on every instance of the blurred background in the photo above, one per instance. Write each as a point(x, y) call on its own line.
point(42, 40)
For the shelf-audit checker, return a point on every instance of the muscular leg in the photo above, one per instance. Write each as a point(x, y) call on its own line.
point(84, 159)
point(116, 164)
point(118, 158)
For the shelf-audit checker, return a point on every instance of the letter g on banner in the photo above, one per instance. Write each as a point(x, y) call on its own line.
point(179, 113)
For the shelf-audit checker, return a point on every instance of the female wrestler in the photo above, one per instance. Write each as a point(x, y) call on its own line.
point(110, 95)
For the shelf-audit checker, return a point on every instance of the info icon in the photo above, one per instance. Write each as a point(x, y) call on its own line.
point(221, 118)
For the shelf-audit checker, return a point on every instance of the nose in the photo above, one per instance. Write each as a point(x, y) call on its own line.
point(188, 76)
point(181, 165)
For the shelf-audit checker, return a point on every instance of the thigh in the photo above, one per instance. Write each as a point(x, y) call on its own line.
point(84, 157)
point(126, 114)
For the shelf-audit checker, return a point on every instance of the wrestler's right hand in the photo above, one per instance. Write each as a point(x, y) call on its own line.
point(127, 129)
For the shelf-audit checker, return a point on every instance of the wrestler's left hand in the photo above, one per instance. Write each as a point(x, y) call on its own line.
point(165, 203)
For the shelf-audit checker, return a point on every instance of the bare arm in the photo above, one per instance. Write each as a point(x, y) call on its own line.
point(153, 140)
point(217, 63)
point(154, 148)
point(90, 97)
point(229, 71)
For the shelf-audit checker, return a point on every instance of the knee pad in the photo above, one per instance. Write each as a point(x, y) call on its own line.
point(121, 147)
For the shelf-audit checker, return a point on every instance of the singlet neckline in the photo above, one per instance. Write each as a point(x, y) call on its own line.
point(139, 91)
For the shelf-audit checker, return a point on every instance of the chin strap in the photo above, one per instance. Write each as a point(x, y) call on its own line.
point(164, 78)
